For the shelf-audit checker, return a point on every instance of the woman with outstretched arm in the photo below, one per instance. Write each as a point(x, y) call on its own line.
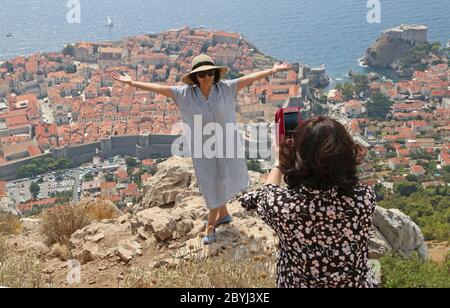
point(211, 99)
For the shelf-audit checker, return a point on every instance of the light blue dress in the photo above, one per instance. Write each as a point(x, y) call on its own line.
point(220, 179)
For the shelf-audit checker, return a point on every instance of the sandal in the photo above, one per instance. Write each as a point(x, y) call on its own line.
point(210, 237)
point(226, 220)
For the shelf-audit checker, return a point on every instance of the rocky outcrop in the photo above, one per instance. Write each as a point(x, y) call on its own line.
point(114, 240)
point(174, 181)
point(7, 206)
point(400, 233)
point(159, 221)
point(386, 52)
point(30, 239)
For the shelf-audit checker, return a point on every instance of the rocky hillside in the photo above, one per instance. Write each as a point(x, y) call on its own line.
point(386, 51)
point(402, 56)
point(165, 229)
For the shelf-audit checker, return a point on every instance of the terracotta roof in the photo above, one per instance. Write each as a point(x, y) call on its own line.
point(108, 185)
point(417, 169)
point(17, 121)
point(33, 150)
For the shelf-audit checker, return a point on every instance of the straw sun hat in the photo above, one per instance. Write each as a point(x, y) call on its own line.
point(203, 63)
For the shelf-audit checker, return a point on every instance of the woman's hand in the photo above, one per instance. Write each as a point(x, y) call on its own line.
point(275, 153)
point(125, 79)
point(280, 67)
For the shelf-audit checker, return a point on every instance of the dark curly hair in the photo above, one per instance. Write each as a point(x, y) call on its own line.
point(322, 156)
point(197, 83)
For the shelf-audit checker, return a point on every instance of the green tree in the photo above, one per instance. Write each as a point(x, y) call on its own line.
point(411, 178)
point(71, 69)
point(88, 177)
point(361, 83)
point(379, 106)
point(406, 188)
point(109, 177)
point(204, 48)
point(131, 162)
point(347, 89)
point(9, 67)
point(64, 163)
point(436, 48)
point(35, 189)
point(318, 109)
point(69, 50)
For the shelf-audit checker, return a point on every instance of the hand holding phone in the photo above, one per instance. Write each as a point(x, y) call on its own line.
point(288, 120)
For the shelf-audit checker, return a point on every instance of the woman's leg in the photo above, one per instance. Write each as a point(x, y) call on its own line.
point(223, 212)
point(212, 217)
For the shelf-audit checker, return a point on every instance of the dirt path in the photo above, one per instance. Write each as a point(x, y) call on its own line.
point(438, 251)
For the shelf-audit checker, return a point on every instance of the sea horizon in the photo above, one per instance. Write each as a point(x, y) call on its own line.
point(333, 33)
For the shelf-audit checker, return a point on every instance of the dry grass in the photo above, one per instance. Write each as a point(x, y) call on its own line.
point(234, 267)
point(61, 252)
point(4, 251)
point(19, 271)
point(101, 209)
point(58, 224)
point(9, 224)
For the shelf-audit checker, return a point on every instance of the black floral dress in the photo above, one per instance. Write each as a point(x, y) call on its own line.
point(324, 237)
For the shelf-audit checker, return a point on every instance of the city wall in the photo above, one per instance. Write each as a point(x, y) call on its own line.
point(142, 147)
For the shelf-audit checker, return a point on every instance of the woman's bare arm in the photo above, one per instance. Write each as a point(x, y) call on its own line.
point(247, 80)
point(152, 87)
point(275, 175)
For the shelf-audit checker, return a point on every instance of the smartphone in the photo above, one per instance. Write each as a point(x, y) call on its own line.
point(288, 120)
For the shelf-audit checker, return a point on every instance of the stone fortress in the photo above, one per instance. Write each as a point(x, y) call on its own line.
point(413, 33)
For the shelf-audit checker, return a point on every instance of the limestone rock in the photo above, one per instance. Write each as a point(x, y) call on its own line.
point(386, 51)
point(400, 232)
point(378, 245)
point(174, 180)
point(184, 227)
point(98, 240)
point(125, 254)
point(159, 221)
point(30, 225)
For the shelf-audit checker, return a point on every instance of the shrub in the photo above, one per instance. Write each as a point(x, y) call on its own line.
point(4, 251)
point(101, 209)
point(21, 272)
point(16, 271)
point(61, 252)
point(59, 223)
point(406, 188)
point(398, 272)
point(9, 224)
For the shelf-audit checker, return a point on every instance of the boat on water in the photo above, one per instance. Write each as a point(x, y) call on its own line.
point(8, 35)
point(109, 23)
point(361, 62)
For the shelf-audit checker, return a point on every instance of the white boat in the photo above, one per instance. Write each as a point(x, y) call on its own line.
point(109, 23)
point(361, 62)
point(9, 35)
